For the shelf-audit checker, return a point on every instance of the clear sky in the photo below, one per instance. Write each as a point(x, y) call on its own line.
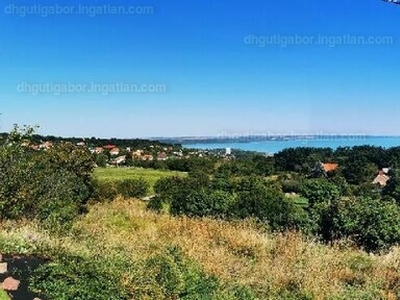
point(234, 67)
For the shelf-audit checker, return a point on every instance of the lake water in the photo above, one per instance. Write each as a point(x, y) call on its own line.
point(276, 146)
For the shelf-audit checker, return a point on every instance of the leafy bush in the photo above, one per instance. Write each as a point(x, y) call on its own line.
point(75, 278)
point(372, 223)
point(104, 190)
point(133, 188)
point(257, 199)
point(52, 185)
point(60, 199)
point(168, 275)
point(319, 191)
point(191, 203)
point(291, 186)
point(156, 203)
point(251, 197)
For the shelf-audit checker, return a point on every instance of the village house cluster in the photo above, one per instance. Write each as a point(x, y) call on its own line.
point(117, 155)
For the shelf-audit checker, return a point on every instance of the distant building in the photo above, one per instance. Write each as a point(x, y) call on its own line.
point(46, 145)
point(98, 150)
point(228, 151)
point(323, 169)
point(119, 160)
point(137, 153)
point(114, 151)
point(109, 147)
point(162, 156)
point(381, 179)
point(329, 167)
point(148, 157)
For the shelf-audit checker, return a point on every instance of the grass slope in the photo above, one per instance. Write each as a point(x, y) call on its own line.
point(271, 265)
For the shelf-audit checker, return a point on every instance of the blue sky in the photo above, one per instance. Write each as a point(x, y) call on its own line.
point(220, 69)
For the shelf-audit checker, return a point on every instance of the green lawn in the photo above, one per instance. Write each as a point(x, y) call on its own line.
point(301, 201)
point(3, 295)
point(150, 175)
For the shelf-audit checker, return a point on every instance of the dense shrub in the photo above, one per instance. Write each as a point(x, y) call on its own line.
point(133, 188)
point(169, 275)
point(75, 278)
point(291, 186)
point(392, 189)
point(191, 203)
point(265, 202)
point(128, 188)
point(52, 185)
point(221, 197)
point(318, 191)
point(372, 223)
point(60, 199)
point(156, 203)
point(104, 190)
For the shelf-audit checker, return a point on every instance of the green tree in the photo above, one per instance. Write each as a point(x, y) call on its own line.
point(372, 223)
point(52, 185)
point(392, 189)
point(101, 160)
point(267, 203)
point(323, 197)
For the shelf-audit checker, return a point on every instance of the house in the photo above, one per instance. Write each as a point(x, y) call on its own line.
point(381, 179)
point(329, 167)
point(81, 144)
point(46, 145)
point(98, 150)
point(137, 153)
point(323, 169)
point(178, 154)
point(114, 151)
point(162, 156)
point(109, 147)
point(147, 157)
point(119, 160)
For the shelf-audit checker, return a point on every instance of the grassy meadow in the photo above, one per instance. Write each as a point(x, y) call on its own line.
point(149, 175)
point(123, 236)
point(3, 295)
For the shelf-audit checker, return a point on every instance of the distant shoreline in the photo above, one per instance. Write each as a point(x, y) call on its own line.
point(274, 146)
point(260, 138)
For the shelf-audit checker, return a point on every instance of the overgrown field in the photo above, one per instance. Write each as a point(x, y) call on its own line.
point(138, 254)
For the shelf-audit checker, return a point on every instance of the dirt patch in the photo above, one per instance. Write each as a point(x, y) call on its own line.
point(21, 268)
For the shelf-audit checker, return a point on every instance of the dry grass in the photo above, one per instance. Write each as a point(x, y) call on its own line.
point(242, 254)
point(235, 252)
